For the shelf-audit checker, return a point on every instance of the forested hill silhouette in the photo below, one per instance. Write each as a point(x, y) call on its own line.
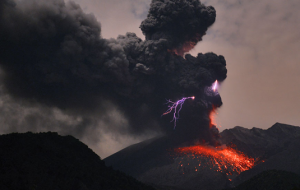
point(45, 161)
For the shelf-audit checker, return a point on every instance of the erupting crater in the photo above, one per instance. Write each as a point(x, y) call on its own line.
point(222, 159)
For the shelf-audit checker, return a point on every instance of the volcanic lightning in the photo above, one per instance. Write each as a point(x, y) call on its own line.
point(215, 85)
point(173, 106)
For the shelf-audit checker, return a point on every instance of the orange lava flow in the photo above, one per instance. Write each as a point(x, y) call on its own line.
point(225, 160)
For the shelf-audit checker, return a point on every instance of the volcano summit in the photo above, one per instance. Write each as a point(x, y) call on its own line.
point(155, 162)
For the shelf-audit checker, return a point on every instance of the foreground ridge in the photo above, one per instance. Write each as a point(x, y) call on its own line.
point(50, 161)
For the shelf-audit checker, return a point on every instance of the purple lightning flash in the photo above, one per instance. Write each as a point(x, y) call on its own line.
point(173, 105)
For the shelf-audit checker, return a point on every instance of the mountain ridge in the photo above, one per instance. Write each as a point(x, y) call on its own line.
point(267, 146)
point(48, 161)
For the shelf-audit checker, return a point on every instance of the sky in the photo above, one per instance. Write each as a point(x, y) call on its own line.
point(259, 39)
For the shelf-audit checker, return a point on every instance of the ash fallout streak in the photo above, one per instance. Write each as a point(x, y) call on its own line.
point(51, 53)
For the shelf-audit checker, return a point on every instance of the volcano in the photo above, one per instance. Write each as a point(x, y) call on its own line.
point(155, 161)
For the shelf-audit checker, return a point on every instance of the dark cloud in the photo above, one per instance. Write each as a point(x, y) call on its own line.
point(52, 54)
point(182, 23)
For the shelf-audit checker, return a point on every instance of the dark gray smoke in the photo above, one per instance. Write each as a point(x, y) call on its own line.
point(182, 23)
point(52, 54)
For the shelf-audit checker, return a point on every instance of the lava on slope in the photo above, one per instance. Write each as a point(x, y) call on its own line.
point(218, 157)
point(222, 159)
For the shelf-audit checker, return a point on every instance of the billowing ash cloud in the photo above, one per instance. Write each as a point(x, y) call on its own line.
point(52, 53)
point(182, 23)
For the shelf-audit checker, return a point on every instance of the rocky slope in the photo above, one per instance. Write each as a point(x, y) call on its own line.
point(271, 180)
point(152, 161)
point(278, 146)
point(47, 161)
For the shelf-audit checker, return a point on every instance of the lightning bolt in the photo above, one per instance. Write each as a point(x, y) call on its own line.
point(176, 106)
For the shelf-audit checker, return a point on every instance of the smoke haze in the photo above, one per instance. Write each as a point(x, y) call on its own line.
point(60, 74)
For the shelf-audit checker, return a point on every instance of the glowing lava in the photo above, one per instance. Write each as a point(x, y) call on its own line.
point(173, 106)
point(221, 158)
point(225, 160)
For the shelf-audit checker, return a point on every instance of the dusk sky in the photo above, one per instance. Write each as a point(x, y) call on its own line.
point(259, 39)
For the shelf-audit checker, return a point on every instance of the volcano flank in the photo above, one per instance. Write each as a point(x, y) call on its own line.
point(154, 161)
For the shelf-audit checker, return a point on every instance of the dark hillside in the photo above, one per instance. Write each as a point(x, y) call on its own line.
point(151, 161)
point(271, 180)
point(278, 146)
point(48, 161)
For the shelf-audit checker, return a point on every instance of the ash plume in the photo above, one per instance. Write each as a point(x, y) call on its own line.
point(182, 23)
point(52, 53)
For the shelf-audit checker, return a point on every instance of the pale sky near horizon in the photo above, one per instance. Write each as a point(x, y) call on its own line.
point(259, 39)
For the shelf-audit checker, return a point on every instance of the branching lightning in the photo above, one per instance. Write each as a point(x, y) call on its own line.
point(174, 106)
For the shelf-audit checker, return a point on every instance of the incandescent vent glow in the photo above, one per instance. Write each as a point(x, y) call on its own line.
point(225, 160)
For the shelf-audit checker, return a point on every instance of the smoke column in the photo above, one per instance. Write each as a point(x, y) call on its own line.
point(52, 54)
